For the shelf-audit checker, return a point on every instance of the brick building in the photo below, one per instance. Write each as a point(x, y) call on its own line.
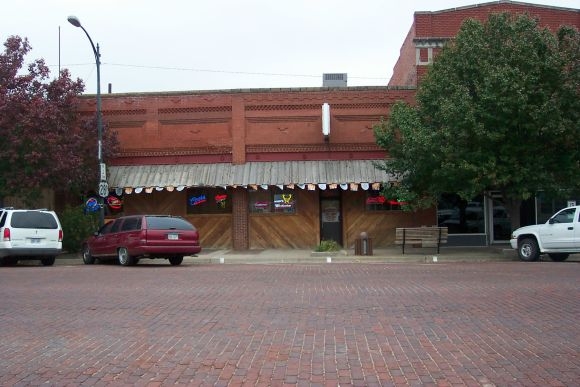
point(283, 168)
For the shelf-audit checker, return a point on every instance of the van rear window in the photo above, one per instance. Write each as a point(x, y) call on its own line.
point(168, 223)
point(33, 219)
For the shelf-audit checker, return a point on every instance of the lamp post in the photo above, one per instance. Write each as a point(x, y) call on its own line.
point(103, 186)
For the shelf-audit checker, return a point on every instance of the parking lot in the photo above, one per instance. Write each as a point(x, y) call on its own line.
point(347, 324)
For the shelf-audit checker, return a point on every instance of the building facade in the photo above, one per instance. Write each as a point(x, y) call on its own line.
point(257, 169)
point(286, 168)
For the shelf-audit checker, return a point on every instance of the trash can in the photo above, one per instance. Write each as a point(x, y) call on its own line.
point(363, 245)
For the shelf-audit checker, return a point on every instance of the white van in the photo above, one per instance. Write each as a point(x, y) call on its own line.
point(28, 235)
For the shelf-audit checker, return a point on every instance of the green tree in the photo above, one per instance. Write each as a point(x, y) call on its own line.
point(499, 110)
point(45, 144)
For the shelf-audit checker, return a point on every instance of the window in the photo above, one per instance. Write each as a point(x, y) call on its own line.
point(116, 225)
point(566, 216)
point(273, 200)
point(461, 216)
point(131, 224)
point(208, 201)
point(375, 201)
point(168, 223)
point(106, 229)
point(33, 219)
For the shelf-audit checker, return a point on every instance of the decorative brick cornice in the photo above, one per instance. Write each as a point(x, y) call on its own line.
point(197, 109)
point(116, 113)
point(174, 152)
point(297, 148)
point(282, 107)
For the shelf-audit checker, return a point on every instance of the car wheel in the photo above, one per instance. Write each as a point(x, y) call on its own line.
point(48, 261)
point(528, 250)
point(88, 259)
point(175, 261)
point(559, 257)
point(124, 258)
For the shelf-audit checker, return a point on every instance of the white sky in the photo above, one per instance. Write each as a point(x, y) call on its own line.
point(172, 45)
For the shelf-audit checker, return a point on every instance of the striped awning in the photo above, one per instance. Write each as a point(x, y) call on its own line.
point(282, 173)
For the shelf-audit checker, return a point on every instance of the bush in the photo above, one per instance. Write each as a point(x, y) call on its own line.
point(327, 245)
point(76, 227)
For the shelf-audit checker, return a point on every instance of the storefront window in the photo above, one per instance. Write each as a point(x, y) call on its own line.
point(548, 206)
point(375, 201)
point(272, 200)
point(208, 201)
point(461, 216)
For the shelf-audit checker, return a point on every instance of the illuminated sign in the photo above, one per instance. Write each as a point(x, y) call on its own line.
point(382, 200)
point(114, 203)
point(197, 200)
point(92, 205)
point(283, 201)
point(220, 200)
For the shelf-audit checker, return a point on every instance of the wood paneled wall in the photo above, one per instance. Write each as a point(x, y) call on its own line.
point(300, 230)
point(215, 231)
point(380, 226)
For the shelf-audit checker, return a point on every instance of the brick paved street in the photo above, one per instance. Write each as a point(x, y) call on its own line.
point(447, 324)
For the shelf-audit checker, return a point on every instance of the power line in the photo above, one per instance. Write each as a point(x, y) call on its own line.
point(167, 68)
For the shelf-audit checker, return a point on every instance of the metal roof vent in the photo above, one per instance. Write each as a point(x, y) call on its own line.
point(334, 80)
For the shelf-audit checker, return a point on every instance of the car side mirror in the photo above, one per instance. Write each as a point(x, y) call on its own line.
point(551, 221)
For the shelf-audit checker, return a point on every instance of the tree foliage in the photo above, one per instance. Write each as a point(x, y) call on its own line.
point(498, 110)
point(45, 143)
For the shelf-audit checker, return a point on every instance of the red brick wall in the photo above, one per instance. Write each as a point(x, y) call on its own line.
point(446, 24)
point(238, 126)
point(404, 72)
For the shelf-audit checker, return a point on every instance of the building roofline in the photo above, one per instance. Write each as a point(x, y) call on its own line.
point(494, 3)
point(253, 91)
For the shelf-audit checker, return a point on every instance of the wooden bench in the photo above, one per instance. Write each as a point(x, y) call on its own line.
point(424, 236)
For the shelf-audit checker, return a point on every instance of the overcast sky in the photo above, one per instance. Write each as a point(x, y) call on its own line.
point(172, 45)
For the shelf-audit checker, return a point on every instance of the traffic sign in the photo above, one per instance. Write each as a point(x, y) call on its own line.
point(103, 189)
point(103, 169)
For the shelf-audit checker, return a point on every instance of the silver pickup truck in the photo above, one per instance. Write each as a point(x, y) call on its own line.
point(558, 237)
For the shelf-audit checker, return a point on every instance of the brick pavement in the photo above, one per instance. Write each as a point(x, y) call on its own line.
point(446, 324)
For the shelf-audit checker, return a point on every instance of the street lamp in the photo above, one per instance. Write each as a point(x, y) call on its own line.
point(103, 186)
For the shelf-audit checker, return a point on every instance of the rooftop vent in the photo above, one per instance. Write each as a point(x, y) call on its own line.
point(334, 80)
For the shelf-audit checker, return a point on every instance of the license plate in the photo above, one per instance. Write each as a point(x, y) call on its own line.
point(35, 241)
point(173, 237)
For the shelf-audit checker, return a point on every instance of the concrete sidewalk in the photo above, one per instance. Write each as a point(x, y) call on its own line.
point(496, 253)
point(386, 255)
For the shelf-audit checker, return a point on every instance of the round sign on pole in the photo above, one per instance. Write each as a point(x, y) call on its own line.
point(103, 189)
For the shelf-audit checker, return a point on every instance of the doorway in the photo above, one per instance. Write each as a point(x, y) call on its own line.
point(331, 217)
point(501, 227)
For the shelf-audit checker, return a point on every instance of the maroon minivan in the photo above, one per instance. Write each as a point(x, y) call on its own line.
point(131, 238)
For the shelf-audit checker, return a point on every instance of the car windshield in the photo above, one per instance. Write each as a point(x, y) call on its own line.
point(33, 219)
point(168, 223)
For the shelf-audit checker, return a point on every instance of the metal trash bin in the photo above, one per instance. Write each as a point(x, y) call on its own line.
point(363, 245)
